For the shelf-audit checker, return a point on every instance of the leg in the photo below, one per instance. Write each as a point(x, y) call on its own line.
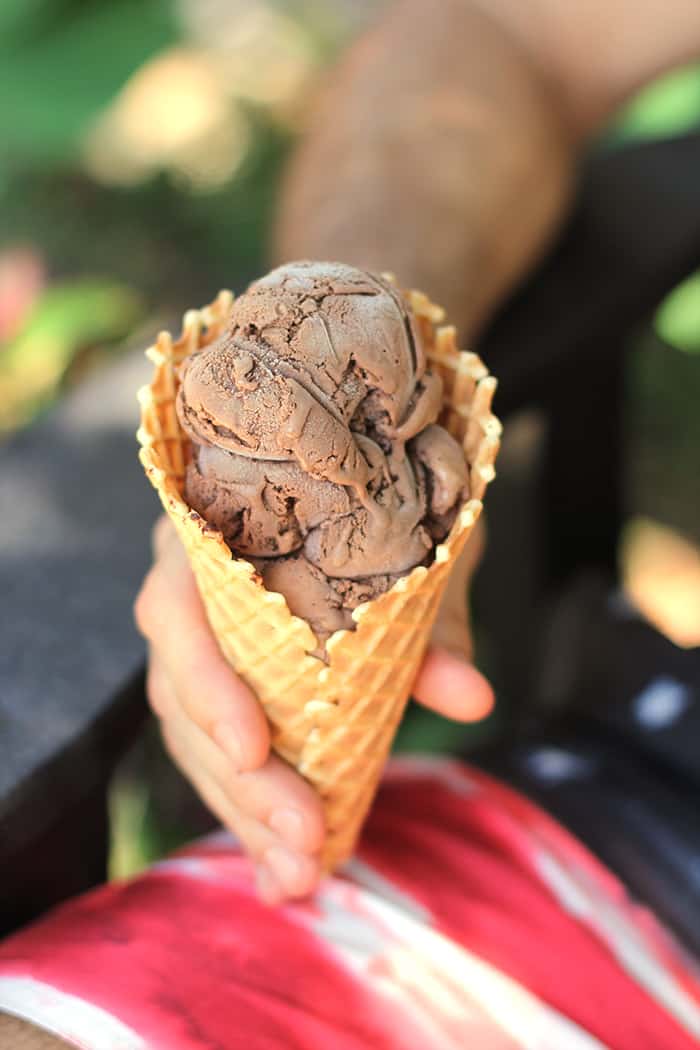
point(19, 1035)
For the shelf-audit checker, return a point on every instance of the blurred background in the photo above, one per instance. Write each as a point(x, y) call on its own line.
point(141, 144)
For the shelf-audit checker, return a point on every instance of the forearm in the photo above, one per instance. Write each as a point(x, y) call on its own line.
point(436, 153)
point(600, 52)
point(445, 146)
point(20, 1035)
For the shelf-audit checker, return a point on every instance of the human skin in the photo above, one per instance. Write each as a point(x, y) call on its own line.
point(215, 730)
point(19, 1035)
point(496, 99)
point(453, 132)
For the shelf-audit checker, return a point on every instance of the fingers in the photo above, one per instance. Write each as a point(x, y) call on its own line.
point(274, 794)
point(447, 682)
point(273, 812)
point(169, 612)
point(217, 734)
point(281, 872)
point(453, 687)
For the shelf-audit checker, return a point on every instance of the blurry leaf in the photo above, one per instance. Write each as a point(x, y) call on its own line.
point(667, 107)
point(677, 320)
point(54, 83)
point(23, 20)
point(327, 26)
point(233, 224)
point(663, 427)
point(129, 852)
point(22, 280)
point(66, 319)
point(20, 16)
point(661, 572)
point(424, 730)
point(323, 25)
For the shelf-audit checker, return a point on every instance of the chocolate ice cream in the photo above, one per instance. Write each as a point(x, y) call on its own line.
point(315, 449)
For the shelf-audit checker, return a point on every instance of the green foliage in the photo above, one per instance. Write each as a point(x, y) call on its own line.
point(61, 61)
point(325, 25)
point(235, 220)
point(424, 731)
point(669, 106)
point(67, 319)
point(663, 428)
point(677, 320)
point(141, 833)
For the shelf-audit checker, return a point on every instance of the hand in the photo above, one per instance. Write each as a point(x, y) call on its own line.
point(216, 732)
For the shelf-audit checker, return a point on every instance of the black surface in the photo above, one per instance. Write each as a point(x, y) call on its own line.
point(559, 346)
point(633, 235)
point(641, 824)
point(620, 768)
point(74, 534)
point(66, 857)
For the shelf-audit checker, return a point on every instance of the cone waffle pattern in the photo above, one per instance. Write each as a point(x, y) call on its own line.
point(334, 723)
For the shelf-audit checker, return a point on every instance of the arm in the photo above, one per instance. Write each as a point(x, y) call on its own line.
point(452, 132)
point(20, 1035)
point(597, 54)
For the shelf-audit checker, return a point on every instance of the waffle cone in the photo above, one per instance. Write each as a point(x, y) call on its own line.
point(333, 722)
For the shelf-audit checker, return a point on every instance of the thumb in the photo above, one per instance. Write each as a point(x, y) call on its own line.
point(452, 628)
point(448, 684)
point(447, 681)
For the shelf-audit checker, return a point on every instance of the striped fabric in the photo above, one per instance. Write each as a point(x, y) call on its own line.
point(468, 919)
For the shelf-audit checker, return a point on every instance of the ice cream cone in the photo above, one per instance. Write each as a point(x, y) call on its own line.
point(334, 722)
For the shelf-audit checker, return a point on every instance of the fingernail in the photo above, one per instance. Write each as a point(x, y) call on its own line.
point(267, 886)
point(289, 824)
point(284, 865)
point(226, 736)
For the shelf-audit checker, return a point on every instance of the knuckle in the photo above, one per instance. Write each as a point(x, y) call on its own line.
point(315, 826)
point(252, 847)
point(305, 879)
point(255, 795)
point(257, 751)
point(196, 702)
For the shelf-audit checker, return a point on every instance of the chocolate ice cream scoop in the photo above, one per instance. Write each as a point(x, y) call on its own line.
point(315, 446)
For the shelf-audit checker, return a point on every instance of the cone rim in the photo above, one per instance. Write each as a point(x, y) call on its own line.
point(207, 320)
